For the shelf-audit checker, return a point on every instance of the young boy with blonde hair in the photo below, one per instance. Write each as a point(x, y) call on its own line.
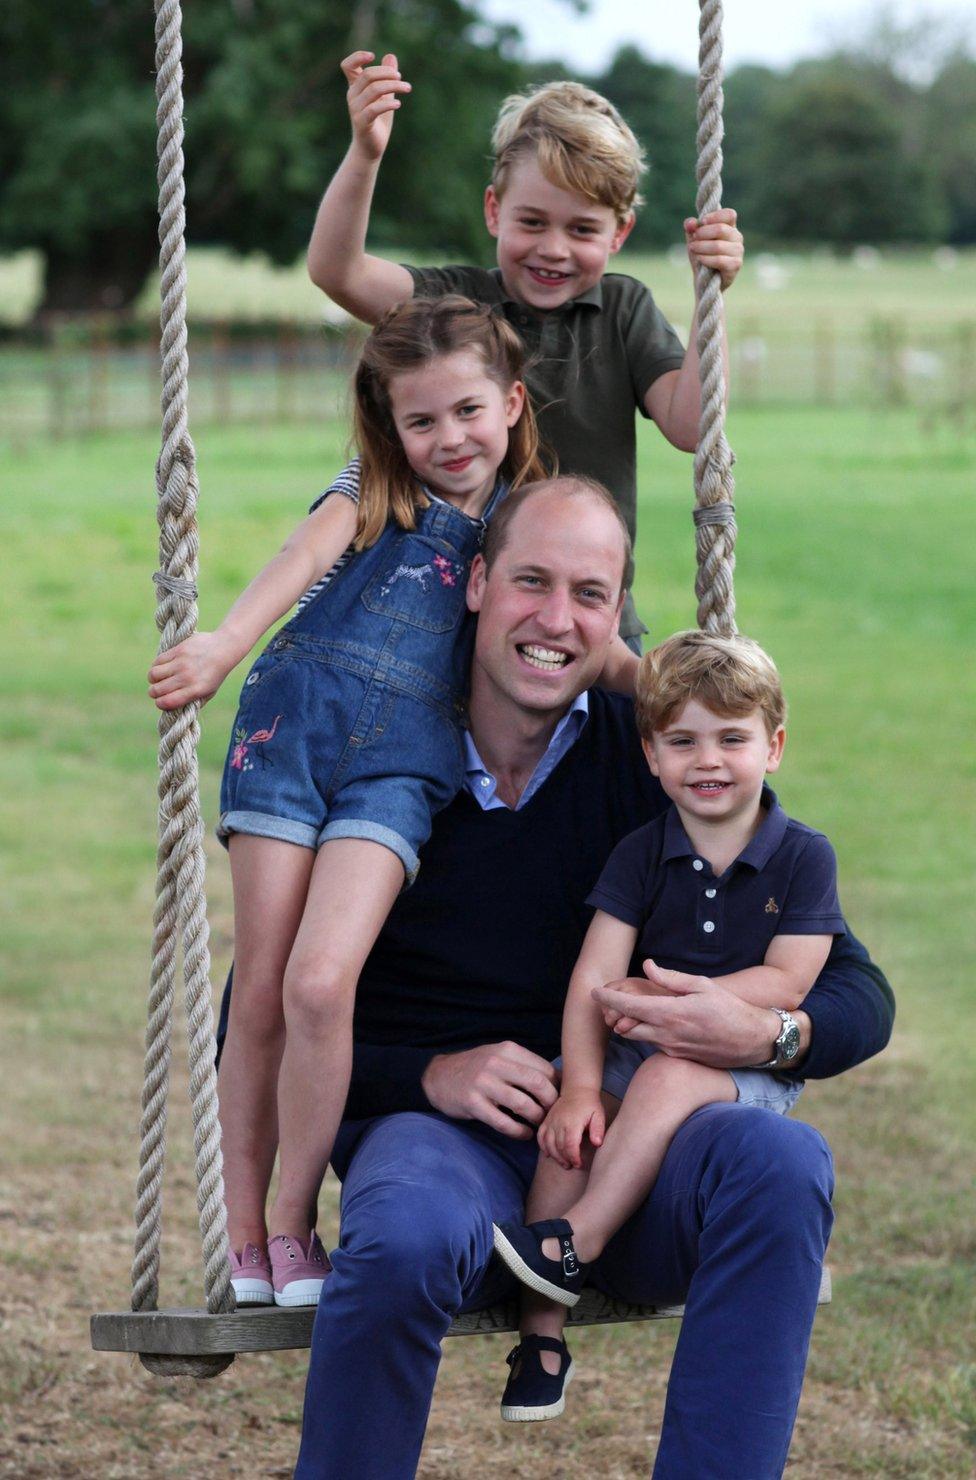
point(723, 885)
point(560, 204)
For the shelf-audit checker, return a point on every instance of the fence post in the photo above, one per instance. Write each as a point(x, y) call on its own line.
point(824, 362)
point(57, 401)
point(220, 370)
point(98, 353)
point(285, 362)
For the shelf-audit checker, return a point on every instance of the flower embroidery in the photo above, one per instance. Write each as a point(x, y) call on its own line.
point(243, 741)
point(239, 752)
point(447, 570)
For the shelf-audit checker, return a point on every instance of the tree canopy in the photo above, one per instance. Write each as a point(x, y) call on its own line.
point(852, 148)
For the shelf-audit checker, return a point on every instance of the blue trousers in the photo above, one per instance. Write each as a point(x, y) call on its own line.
point(736, 1227)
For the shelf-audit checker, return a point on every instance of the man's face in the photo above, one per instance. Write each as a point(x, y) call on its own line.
point(549, 608)
point(553, 244)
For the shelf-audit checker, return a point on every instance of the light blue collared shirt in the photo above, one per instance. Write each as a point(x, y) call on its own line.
point(483, 786)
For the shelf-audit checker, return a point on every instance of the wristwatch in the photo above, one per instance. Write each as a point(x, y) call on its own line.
point(787, 1045)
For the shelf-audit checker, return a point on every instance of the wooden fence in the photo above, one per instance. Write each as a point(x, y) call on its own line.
point(81, 376)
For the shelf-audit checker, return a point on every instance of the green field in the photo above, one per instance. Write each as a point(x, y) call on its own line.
point(867, 330)
point(931, 288)
point(856, 539)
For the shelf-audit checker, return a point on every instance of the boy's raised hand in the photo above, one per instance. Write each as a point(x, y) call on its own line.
point(715, 241)
point(373, 99)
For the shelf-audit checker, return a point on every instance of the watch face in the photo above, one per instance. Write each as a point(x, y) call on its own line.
point(789, 1043)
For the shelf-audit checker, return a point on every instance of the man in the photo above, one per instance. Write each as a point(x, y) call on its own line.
point(458, 1016)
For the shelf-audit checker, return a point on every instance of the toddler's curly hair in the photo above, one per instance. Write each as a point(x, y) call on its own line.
point(729, 675)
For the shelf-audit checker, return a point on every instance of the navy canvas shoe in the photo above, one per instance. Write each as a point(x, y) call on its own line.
point(531, 1392)
point(520, 1246)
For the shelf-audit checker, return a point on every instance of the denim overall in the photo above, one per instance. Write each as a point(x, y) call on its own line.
point(348, 725)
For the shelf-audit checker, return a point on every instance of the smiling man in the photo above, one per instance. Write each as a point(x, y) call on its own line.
point(458, 1017)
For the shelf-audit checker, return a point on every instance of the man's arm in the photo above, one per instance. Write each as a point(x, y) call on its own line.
point(338, 262)
point(852, 1012)
point(503, 1085)
point(846, 1018)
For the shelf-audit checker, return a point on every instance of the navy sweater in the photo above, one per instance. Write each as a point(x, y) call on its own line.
point(481, 948)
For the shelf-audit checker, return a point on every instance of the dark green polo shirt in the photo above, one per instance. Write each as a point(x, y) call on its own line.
point(590, 365)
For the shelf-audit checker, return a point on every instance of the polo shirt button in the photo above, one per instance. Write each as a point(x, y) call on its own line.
point(486, 781)
point(709, 893)
point(708, 926)
point(698, 865)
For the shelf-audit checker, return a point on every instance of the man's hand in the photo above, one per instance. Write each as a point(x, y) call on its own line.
point(501, 1084)
point(372, 99)
point(715, 241)
point(575, 1115)
point(690, 1017)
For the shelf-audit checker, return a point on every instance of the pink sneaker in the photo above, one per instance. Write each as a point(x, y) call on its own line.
point(250, 1275)
point(298, 1271)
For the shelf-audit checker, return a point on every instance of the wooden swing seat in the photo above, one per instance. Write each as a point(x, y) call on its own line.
point(194, 1333)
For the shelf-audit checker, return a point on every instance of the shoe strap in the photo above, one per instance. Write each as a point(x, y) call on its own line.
point(552, 1228)
point(537, 1344)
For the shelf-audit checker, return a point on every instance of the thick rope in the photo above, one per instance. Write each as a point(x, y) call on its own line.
point(714, 485)
point(181, 904)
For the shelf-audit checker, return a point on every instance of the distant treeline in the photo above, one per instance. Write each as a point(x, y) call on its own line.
point(837, 151)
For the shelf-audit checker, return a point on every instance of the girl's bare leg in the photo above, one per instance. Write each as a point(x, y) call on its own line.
point(352, 889)
point(659, 1098)
point(270, 886)
point(554, 1189)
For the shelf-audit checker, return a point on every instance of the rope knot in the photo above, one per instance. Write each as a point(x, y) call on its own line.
point(174, 585)
point(722, 514)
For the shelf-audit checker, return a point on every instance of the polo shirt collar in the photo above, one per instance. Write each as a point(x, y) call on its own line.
point(772, 830)
point(757, 852)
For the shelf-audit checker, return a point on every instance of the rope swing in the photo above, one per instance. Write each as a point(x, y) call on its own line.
point(202, 1343)
point(714, 513)
point(180, 897)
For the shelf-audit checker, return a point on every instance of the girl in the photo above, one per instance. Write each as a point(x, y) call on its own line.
point(345, 743)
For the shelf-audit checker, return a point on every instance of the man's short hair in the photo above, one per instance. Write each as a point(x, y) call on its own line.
point(580, 141)
point(729, 675)
point(571, 485)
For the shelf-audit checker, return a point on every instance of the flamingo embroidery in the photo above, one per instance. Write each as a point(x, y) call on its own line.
point(242, 741)
point(262, 738)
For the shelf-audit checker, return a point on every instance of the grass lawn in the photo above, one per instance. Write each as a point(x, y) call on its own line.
point(856, 534)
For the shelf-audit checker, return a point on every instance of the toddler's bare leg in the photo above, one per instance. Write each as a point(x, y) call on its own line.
point(554, 1189)
point(270, 886)
point(659, 1098)
point(352, 888)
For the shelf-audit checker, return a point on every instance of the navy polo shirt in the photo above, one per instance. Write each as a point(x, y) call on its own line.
point(783, 881)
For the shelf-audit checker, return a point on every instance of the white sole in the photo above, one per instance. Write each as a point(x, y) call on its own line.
point(511, 1414)
point(299, 1292)
point(528, 1276)
point(253, 1292)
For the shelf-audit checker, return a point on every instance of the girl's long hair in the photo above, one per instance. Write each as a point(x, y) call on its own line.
point(406, 338)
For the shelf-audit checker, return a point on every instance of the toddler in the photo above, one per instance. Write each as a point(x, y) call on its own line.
point(723, 885)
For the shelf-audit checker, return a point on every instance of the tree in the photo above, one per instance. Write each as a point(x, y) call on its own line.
point(950, 142)
point(751, 92)
point(266, 125)
point(834, 168)
point(659, 103)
